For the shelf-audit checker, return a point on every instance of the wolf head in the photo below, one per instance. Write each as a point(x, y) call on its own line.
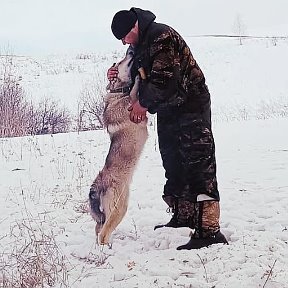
point(124, 73)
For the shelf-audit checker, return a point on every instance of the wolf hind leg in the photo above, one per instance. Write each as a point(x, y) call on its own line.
point(115, 208)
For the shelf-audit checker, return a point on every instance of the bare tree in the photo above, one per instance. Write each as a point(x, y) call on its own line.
point(239, 28)
point(91, 105)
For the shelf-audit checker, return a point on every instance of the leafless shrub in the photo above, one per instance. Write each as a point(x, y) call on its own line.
point(83, 56)
point(272, 108)
point(48, 117)
point(33, 259)
point(18, 117)
point(13, 106)
point(91, 105)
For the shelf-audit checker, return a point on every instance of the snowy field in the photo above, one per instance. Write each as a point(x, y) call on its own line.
point(45, 183)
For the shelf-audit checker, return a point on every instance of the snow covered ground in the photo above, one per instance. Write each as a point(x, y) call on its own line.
point(45, 183)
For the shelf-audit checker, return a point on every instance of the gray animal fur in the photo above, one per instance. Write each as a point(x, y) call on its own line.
point(109, 192)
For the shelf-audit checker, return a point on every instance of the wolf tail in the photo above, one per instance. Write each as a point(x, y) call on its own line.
point(95, 202)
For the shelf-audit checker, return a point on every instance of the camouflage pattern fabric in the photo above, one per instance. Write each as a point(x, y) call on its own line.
point(175, 89)
point(174, 79)
point(201, 216)
point(188, 154)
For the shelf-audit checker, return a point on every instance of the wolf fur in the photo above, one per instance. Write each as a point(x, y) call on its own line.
point(109, 192)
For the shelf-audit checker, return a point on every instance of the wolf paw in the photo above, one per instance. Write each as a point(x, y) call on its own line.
point(103, 239)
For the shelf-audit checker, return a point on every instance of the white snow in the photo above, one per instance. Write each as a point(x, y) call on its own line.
point(45, 182)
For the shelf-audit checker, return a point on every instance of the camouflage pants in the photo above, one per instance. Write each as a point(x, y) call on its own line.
point(188, 153)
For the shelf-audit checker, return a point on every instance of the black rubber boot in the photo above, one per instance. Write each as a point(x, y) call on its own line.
point(183, 212)
point(207, 229)
point(173, 207)
point(197, 243)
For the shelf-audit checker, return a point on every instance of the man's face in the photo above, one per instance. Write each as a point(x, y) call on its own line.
point(132, 37)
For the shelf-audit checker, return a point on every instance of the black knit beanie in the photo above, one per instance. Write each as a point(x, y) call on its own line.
point(122, 23)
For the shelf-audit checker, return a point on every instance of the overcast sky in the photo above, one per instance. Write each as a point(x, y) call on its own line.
point(59, 26)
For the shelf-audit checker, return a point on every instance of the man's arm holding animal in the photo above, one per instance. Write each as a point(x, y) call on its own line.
point(161, 89)
point(137, 112)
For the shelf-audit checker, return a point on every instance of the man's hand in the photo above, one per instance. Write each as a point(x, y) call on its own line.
point(137, 112)
point(112, 73)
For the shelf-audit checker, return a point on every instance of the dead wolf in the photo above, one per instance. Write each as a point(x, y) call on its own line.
point(109, 192)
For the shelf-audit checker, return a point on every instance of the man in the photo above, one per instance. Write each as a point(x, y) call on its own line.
point(174, 88)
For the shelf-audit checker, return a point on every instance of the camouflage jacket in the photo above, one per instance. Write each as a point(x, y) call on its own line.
point(174, 80)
